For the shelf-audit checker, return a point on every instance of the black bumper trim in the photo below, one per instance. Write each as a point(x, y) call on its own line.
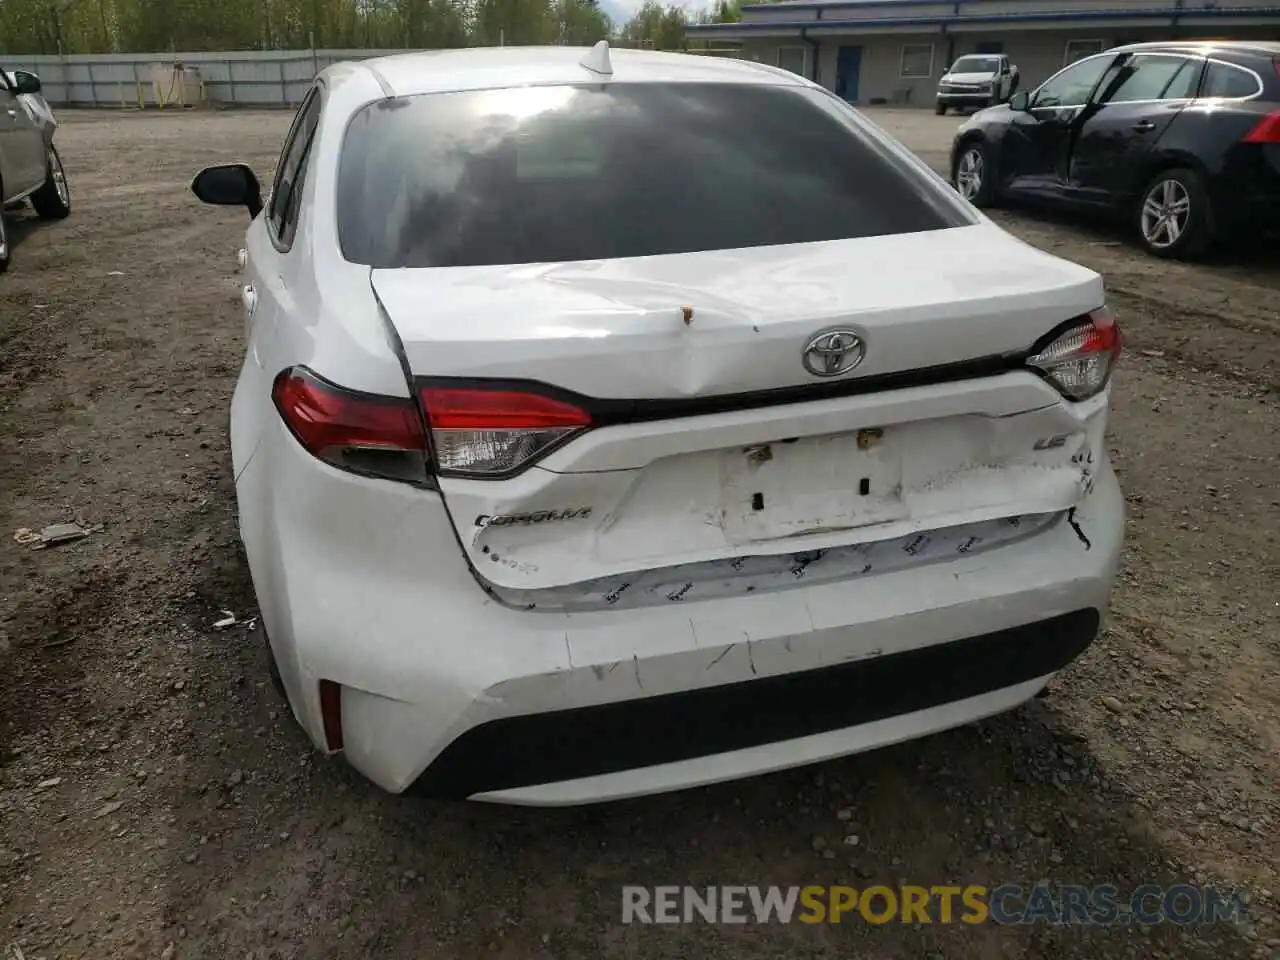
point(607, 738)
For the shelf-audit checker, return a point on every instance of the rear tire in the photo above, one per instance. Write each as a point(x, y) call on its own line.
point(4, 244)
point(273, 668)
point(973, 174)
point(53, 200)
point(1174, 216)
point(940, 109)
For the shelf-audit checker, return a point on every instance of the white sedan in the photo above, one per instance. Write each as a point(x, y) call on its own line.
point(614, 422)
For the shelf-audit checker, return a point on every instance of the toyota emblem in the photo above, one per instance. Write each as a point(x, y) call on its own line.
point(833, 352)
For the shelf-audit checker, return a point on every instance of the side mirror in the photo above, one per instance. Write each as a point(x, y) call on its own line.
point(25, 82)
point(229, 185)
point(1020, 101)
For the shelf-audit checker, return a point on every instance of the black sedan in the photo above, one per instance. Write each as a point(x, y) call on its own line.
point(1180, 139)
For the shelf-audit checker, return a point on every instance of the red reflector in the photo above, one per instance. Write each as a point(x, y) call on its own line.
point(1267, 130)
point(458, 408)
point(324, 416)
point(331, 713)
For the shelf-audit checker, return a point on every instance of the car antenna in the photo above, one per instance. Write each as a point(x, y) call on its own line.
point(597, 59)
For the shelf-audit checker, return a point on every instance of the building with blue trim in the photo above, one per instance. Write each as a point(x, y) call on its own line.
point(893, 51)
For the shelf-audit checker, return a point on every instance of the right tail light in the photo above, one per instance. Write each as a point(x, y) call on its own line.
point(1267, 130)
point(1079, 359)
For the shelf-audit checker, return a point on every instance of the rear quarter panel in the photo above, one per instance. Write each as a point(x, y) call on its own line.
point(1206, 137)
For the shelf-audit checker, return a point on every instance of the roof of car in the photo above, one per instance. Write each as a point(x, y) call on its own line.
point(1261, 47)
point(479, 68)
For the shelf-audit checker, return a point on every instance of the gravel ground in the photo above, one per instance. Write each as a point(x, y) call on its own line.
point(157, 801)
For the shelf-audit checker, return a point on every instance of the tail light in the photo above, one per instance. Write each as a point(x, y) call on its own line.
point(474, 432)
point(489, 434)
point(1079, 359)
point(1267, 130)
point(360, 432)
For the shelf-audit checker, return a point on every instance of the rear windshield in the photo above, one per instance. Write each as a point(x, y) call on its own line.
point(976, 65)
point(557, 173)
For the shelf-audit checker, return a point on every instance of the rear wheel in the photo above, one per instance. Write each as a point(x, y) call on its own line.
point(53, 200)
point(4, 244)
point(973, 175)
point(940, 109)
point(1174, 218)
point(273, 668)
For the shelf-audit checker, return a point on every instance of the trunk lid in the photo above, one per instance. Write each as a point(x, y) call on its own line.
point(683, 475)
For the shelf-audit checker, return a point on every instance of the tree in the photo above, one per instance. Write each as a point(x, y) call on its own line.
point(104, 26)
point(661, 28)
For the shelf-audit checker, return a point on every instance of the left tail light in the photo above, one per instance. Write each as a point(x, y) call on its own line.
point(477, 432)
point(488, 434)
point(1078, 359)
point(359, 432)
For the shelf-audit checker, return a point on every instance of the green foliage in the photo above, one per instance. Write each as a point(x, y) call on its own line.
point(656, 26)
point(127, 26)
point(725, 11)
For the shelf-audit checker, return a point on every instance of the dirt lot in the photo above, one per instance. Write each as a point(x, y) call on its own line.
point(157, 801)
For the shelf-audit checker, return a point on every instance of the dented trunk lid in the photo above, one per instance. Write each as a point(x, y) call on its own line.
point(715, 448)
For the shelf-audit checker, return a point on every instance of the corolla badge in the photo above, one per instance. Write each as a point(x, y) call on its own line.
point(832, 352)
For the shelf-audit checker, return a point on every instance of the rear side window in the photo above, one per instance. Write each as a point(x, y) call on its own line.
point(558, 173)
point(1155, 77)
point(1224, 80)
point(286, 193)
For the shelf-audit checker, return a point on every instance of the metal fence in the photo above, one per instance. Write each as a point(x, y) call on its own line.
point(257, 78)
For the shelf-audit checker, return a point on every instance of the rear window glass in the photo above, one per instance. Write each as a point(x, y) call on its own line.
point(557, 173)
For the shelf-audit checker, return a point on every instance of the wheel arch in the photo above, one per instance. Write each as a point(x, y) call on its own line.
point(1172, 160)
point(957, 147)
point(1195, 241)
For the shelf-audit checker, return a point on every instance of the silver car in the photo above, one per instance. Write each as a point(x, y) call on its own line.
point(29, 164)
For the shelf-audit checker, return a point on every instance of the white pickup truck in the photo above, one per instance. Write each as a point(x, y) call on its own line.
point(977, 80)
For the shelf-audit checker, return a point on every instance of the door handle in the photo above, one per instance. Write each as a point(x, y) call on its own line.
point(1142, 126)
point(249, 297)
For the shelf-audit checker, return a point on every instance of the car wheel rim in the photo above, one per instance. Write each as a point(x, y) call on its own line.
point(4, 239)
point(1166, 211)
point(969, 174)
point(59, 179)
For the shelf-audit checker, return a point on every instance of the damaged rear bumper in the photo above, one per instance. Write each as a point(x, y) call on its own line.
point(447, 691)
point(630, 746)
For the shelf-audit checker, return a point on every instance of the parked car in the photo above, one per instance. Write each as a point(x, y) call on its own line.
point(29, 164)
point(1181, 140)
point(561, 479)
point(976, 80)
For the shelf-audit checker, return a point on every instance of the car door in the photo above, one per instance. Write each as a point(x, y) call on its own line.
point(1127, 118)
point(9, 164)
point(1037, 148)
point(272, 267)
point(1004, 81)
point(23, 143)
